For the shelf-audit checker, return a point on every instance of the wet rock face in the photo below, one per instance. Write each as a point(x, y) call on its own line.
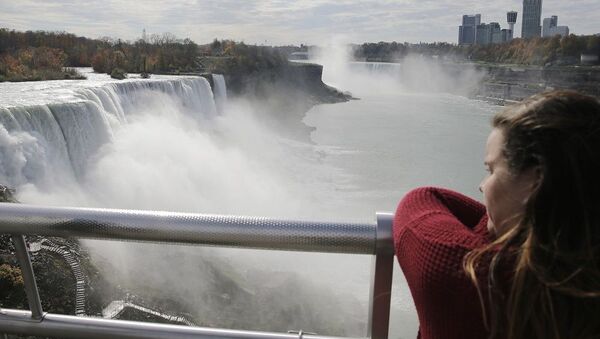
point(295, 80)
point(7, 194)
point(283, 95)
point(517, 83)
point(12, 293)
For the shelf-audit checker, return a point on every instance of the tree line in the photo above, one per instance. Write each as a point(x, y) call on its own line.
point(43, 55)
point(539, 51)
point(25, 54)
point(230, 57)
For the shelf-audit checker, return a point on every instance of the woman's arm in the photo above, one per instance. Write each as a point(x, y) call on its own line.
point(433, 230)
point(430, 200)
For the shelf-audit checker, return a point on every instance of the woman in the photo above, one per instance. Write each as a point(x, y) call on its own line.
point(527, 265)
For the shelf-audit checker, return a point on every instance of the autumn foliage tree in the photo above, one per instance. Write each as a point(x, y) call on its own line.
point(34, 63)
point(538, 51)
point(161, 53)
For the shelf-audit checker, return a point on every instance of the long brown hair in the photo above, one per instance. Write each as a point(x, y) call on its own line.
point(552, 253)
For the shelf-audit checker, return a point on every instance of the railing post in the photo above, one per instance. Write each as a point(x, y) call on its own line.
point(381, 279)
point(33, 297)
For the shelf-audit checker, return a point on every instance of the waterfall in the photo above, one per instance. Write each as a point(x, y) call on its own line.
point(220, 91)
point(53, 143)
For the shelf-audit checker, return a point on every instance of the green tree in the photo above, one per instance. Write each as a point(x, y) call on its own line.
point(12, 287)
point(593, 44)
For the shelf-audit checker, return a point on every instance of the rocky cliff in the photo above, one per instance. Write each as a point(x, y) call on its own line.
point(514, 83)
point(282, 95)
point(297, 79)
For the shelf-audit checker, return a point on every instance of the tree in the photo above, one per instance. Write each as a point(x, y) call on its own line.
point(593, 44)
point(570, 46)
point(118, 60)
point(100, 62)
point(12, 287)
point(216, 47)
point(49, 58)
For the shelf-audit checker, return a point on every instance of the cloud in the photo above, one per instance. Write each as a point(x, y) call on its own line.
point(280, 21)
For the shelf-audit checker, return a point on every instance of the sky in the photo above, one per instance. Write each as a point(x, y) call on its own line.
point(282, 22)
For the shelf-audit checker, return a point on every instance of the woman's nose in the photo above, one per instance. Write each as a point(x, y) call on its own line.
point(481, 183)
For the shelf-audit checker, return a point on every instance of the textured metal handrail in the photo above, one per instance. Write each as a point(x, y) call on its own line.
point(65, 326)
point(218, 230)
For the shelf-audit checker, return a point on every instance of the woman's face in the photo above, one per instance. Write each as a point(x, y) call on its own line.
point(505, 194)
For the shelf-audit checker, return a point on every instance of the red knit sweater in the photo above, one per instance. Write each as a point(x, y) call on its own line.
point(433, 230)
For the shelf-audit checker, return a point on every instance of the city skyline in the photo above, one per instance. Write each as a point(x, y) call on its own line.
point(281, 22)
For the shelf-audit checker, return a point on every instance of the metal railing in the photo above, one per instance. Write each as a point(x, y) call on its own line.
point(185, 228)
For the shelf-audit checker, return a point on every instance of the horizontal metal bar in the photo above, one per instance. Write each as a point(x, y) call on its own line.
point(66, 326)
point(218, 230)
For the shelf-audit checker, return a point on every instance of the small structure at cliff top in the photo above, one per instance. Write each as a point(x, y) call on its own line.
point(589, 59)
point(299, 56)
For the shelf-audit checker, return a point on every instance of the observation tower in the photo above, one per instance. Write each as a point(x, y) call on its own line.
point(511, 17)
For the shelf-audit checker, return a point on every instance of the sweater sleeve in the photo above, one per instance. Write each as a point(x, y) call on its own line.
point(427, 200)
point(433, 229)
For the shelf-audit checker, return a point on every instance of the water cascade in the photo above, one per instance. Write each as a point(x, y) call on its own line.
point(220, 90)
point(40, 141)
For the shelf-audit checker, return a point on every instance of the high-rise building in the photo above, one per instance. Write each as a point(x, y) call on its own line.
point(507, 35)
point(483, 34)
point(492, 34)
point(495, 33)
point(467, 31)
point(551, 28)
point(532, 15)
point(549, 23)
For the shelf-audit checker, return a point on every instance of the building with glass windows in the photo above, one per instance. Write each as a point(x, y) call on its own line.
point(467, 31)
point(551, 28)
point(532, 16)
